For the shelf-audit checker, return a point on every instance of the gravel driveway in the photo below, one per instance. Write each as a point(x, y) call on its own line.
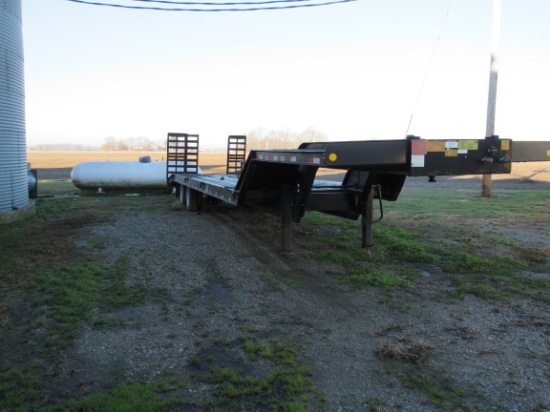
point(216, 279)
point(217, 274)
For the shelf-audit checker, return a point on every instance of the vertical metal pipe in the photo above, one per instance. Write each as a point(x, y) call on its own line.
point(486, 179)
point(367, 221)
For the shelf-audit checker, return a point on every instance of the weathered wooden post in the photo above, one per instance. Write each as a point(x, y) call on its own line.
point(486, 179)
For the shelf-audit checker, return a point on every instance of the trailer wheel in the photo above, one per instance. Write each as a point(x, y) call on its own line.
point(205, 203)
point(192, 198)
point(181, 193)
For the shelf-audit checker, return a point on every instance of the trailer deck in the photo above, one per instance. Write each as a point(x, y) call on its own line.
point(284, 183)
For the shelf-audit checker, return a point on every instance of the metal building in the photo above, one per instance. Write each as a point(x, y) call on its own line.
point(14, 195)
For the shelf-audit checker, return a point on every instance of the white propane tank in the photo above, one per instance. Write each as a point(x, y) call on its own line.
point(120, 175)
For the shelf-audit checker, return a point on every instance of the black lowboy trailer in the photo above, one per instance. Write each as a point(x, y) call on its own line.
point(283, 182)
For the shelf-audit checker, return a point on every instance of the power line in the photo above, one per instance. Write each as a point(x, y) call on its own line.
point(223, 9)
point(428, 69)
point(235, 3)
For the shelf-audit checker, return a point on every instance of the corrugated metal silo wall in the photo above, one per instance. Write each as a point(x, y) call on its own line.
point(14, 193)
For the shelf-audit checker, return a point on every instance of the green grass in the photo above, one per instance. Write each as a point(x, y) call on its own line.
point(11, 238)
point(362, 277)
point(430, 234)
point(67, 292)
point(503, 204)
point(19, 391)
point(379, 266)
point(269, 377)
point(56, 187)
point(274, 279)
point(440, 391)
point(94, 208)
point(283, 352)
point(282, 390)
point(126, 398)
point(288, 386)
point(65, 187)
point(74, 294)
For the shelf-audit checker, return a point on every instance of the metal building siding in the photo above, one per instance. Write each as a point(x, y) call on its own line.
point(13, 149)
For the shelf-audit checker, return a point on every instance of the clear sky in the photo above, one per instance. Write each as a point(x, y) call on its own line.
point(351, 71)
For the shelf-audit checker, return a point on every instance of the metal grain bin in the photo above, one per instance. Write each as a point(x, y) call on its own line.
point(14, 196)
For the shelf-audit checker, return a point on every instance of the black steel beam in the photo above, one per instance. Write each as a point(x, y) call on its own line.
point(530, 151)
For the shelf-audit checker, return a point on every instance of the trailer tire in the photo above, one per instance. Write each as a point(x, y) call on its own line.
point(205, 203)
point(181, 193)
point(192, 198)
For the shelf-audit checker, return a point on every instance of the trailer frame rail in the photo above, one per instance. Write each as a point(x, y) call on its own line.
point(284, 183)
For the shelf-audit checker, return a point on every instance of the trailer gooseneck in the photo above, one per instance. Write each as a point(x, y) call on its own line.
point(283, 182)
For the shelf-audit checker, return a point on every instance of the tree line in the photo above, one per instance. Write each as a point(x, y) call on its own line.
point(256, 139)
point(132, 143)
point(261, 139)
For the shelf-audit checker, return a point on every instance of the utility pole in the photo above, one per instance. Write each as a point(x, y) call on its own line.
point(486, 179)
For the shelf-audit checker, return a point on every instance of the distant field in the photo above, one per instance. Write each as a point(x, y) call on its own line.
point(536, 171)
point(539, 171)
point(58, 160)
